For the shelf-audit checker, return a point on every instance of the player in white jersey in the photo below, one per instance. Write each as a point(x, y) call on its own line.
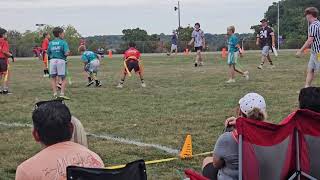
point(311, 14)
point(199, 43)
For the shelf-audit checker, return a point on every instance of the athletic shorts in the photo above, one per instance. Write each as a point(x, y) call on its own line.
point(233, 58)
point(265, 50)
point(174, 47)
point(198, 48)
point(3, 65)
point(93, 66)
point(209, 171)
point(314, 62)
point(132, 65)
point(58, 68)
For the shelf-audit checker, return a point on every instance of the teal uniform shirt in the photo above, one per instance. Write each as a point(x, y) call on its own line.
point(233, 41)
point(57, 49)
point(89, 56)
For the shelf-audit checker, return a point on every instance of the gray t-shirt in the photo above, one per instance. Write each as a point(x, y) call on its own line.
point(198, 38)
point(226, 148)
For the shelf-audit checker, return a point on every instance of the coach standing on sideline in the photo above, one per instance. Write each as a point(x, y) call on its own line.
point(311, 14)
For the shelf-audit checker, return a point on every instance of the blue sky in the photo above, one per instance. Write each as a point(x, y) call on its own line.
point(109, 17)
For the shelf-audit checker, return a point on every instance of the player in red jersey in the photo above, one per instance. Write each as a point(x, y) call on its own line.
point(132, 62)
point(4, 62)
point(44, 46)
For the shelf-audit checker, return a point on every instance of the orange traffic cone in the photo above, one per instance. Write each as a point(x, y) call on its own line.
point(110, 54)
point(186, 152)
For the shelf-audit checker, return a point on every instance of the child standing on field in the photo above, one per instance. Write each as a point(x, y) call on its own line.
point(44, 46)
point(4, 62)
point(234, 50)
point(58, 51)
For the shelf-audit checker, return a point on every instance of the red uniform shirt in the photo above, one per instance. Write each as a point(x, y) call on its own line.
point(132, 54)
point(4, 47)
point(45, 44)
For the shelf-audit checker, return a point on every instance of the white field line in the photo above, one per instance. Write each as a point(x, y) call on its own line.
point(109, 137)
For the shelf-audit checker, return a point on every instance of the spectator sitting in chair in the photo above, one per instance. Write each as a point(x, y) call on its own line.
point(52, 128)
point(79, 135)
point(223, 165)
point(309, 98)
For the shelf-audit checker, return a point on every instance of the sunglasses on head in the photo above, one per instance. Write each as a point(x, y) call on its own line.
point(40, 103)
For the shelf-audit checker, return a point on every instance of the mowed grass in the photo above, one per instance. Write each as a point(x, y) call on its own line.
point(179, 100)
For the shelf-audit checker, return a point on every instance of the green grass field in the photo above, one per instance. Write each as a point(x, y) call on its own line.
point(179, 100)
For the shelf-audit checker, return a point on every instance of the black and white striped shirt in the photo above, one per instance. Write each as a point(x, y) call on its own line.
point(314, 31)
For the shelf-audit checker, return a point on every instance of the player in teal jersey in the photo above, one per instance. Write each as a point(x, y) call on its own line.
point(58, 51)
point(91, 62)
point(234, 50)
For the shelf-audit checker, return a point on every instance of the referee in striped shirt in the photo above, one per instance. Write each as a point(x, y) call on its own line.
point(311, 14)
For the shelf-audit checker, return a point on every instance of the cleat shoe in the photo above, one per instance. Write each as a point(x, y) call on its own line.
point(231, 81)
point(143, 85)
point(90, 83)
point(63, 97)
point(120, 86)
point(98, 83)
point(260, 67)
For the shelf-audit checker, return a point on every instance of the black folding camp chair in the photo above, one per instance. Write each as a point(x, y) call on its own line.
point(132, 171)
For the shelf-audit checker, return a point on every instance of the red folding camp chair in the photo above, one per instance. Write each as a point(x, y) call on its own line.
point(279, 152)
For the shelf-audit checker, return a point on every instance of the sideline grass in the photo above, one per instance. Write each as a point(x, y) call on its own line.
point(178, 100)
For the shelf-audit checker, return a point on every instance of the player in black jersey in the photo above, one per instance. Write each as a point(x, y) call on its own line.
point(266, 40)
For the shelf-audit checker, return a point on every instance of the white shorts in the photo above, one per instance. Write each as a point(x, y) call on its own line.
point(93, 66)
point(174, 47)
point(57, 68)
point(265, 50)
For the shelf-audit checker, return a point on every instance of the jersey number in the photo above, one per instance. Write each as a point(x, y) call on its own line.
point(263, 34)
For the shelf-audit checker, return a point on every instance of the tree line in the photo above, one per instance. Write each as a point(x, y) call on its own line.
point(293, 29)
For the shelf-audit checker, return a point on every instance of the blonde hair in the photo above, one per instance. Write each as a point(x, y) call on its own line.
point(79, 135)
point(257, 114)
point(232, 28)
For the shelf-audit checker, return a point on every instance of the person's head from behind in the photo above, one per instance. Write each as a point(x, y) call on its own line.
point(46, 35)
point(311, 14)
point(253, 106)
point(132, 45)
point(79, 134)
point(197, 26)
point(82, 49)
point(231, 30)
point(309, 98)
point(52, 123)
point(58, 32)
point(3, 33)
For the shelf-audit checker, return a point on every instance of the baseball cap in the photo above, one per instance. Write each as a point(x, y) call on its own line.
point(251, 101)
point(264, 20)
